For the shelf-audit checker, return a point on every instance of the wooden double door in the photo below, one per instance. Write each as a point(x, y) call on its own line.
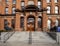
point(30, 27)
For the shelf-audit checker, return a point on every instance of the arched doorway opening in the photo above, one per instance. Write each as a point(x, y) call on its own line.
point(39, 23)
point(31, 23)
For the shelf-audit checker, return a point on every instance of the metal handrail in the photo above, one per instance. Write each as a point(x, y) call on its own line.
point(6, 36)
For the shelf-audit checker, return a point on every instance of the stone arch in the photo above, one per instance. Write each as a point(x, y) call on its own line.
point(31, 23)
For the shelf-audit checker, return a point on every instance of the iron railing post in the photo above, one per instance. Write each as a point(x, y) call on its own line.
point(30, 37)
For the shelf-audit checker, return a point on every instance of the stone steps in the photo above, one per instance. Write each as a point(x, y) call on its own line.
point(37, 37)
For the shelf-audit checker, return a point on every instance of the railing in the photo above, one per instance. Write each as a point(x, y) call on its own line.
point(53, 35)
point(4, 36)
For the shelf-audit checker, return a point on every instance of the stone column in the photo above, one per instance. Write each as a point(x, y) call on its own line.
point(44, 6)
point(44, 21)
point(52, 7)
point(1, 24)
point(17, 25)
point(10, 7)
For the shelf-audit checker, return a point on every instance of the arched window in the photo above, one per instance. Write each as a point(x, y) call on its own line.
point(5, 23)
point(13, 23)
point(39, 22)
point(56, 23)
point(22, 22)
point(49, 24)
point(22, 4)
point(39, 4)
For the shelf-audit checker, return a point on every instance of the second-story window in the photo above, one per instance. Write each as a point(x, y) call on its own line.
point(7, 1)
point(56, 1)
point(6, 10)
point(14, 1)
point(22, 4)
point(56, 9)
point(48, 1)
point(39, 4)
point(48, 10)
point(13, 10)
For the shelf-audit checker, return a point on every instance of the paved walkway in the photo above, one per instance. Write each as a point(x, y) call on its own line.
point(22, 39)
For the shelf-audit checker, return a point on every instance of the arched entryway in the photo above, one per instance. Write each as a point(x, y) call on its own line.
point(39, 23)
point(30, 23)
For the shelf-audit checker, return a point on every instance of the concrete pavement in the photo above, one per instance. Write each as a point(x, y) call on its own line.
point(22, 39)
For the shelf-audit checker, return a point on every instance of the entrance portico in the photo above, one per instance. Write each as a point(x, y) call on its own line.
point(32, 21)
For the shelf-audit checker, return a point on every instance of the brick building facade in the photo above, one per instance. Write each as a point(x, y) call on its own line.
point(28, 15)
